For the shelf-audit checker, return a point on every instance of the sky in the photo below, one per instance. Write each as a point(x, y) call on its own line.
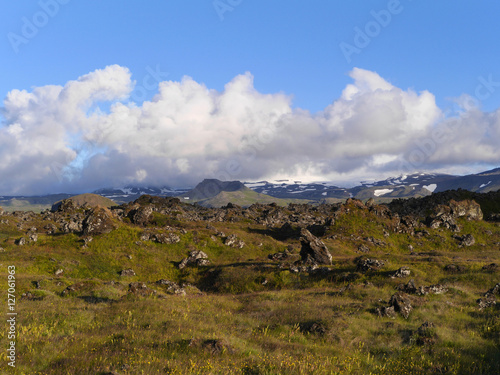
point(168, 92)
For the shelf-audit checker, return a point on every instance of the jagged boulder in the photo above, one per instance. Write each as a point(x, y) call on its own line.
point(432, 289)
point(127, 272)
point(21, 241)
point(141, 215)
point(195, 258)
point(401, 303)
point(494, 290)
point(469, 209)
point(487, 301)
point(363, 248)
point(445, 215)
point(386, 311)
point(169, 238)
point(465, 240)
point(233, 241)
point(98, 221)
point(489, 298)
point(368, 264)
point(50, 228)
point(64, 206)
point(313, 249)
point(172, 288)
point(74, 225)
point(410, 287)
point(402, 272)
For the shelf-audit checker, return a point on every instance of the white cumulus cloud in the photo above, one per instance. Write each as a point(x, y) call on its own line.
point(55, 138)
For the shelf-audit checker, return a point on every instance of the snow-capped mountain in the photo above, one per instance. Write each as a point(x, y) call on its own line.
point(404, 186)
point(298, 190)
point(130, 193)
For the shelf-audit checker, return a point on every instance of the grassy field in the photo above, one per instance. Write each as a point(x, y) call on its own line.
point(244, 314)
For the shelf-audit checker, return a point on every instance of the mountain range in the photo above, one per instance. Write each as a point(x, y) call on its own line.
point(215, 193)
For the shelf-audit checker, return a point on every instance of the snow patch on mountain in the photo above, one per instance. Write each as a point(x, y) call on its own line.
point(380, 192)
point(431, 187)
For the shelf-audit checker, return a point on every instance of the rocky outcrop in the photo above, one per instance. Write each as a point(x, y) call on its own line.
point(399, 302)
point(402, 304)
point(411, 288)
point(98, 221)
point(233, 241)
point(172, 288)
point(141, 215)
point(465, 240)
point(166, 238)
point(127, 272)
point(368, 264)
point(467, 208)
point(21, 241)
point(402, 272)
point(65, 206)
point(313, 249)
point(445, 215)
point(195, 258)
point(489, 298)
point(73, 225)
point(386, 312)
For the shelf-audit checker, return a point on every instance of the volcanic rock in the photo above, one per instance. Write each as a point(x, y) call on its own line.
point(313, 249)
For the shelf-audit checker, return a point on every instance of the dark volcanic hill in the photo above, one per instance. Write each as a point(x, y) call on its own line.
point(216, 193)
point(91, 200)
point(209, 188)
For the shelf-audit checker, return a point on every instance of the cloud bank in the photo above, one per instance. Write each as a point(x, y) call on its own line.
point(89, 134)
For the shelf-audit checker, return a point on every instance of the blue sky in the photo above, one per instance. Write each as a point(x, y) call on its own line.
point(291, 48)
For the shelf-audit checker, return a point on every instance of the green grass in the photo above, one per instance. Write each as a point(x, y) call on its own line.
point(262, 312)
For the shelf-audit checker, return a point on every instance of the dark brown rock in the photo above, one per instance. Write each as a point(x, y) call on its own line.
point(454, 268)
point(401, 303)
point(368, 264)
point(402, 272)
point(98, 221)
point(386, 311)
point(314, 249)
